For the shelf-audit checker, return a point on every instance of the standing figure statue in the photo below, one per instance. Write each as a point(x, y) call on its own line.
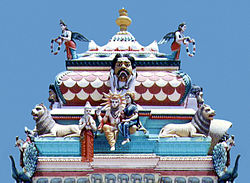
point(68, 38)
point(179, 39)
point(123, 74)
point(130, 117)
point(87, 126)
point(112, 116)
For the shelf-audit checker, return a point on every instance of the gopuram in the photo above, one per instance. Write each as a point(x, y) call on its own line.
point(125, 113)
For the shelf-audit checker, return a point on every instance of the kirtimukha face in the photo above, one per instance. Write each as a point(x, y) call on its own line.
point(123, 69)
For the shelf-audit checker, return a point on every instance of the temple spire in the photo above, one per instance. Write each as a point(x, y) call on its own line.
point(123, 20)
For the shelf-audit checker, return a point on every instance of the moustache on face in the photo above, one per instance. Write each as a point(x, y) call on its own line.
point(123, 70)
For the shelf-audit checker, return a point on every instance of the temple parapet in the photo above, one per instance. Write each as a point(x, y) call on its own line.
point(124, 112)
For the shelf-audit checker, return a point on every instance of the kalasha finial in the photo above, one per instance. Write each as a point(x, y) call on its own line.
point(123, 20)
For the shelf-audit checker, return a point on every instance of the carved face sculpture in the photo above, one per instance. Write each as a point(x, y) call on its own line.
point(200, 97)
point(52, 96)
point(37, 112)
point(129, 97)
point(123, 69)
point(115, 103)
point(87, 111)
point(183, 28)
point(63, 27)
point(208, 113)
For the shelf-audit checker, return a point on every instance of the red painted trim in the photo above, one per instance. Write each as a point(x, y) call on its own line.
point(140, 114)
point(74, 173)
point(144, 114)
point(138, 170)
point(172, 117)
point(52, 174)
point(187, 173)
point(66, 117)
point(162, 173)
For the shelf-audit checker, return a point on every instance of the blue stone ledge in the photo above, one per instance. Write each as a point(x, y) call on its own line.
point(58, 146)
point(183, 146)
point(140, 144)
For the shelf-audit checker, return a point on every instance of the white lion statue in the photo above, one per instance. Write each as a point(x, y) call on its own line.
point(46, 126)
point(203, 123)
point(198, 127)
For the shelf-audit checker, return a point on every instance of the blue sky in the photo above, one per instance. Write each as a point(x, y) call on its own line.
point(221, 65)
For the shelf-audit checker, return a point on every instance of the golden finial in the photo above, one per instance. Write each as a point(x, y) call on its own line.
point(123, 20)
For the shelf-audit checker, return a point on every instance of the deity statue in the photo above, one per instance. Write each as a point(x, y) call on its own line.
point(129, 117)
point(68, 38)
point(87, 126)
point(28, 159)
point(123, 74)
point(228, 143)
point(22, 145)
point(179, 39)
point(221, 160)
point(197, 92)
point(53, 98)
point(111, 118)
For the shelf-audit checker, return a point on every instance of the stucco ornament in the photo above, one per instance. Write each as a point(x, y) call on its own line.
point(178, 39)
point(53, 98)
point(130, 119)
point(87, 122)
point(198, 127)
point(28, 160)
point(221, 161)
point(87, 127)
point(218, 129)
point(114, 105)
point(68, 38)
point(46, 126)
point(122, 74)
point(197, 92)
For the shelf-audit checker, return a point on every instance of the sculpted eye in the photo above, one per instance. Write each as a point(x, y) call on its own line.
point(38, 109)
point(118, 64)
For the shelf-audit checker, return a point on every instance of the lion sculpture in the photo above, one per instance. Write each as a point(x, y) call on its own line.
point(198, 127)
point(46, 126)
